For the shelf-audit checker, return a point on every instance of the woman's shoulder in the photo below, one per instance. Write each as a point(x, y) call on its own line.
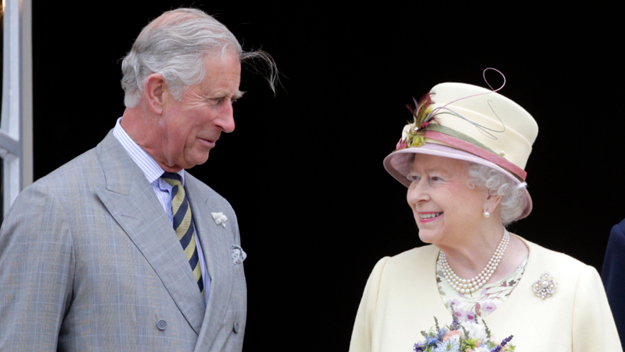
point(540, 253)
point(417, 252)
point(558, 264)
point(413, 259)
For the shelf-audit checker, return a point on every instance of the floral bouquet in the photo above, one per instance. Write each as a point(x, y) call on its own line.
point(467, 336)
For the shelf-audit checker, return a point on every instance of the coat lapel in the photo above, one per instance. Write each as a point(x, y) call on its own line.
point(216, 242)
point(132, 203)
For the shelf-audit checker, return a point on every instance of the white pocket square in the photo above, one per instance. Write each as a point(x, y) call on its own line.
point(238, 254)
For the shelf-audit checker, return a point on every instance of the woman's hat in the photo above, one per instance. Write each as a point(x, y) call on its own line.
point(471, 123)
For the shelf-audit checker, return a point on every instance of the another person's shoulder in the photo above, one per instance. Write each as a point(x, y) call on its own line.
point(619, 228)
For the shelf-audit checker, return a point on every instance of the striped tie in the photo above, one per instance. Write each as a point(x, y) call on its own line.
point(183, 224)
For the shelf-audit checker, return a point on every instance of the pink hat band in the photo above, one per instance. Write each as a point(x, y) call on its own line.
point(463, 144)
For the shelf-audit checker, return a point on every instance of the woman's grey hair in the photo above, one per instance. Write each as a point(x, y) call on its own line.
point(175, 45)
point(512, 194)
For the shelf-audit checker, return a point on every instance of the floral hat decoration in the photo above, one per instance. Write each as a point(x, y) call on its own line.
point(471, 123)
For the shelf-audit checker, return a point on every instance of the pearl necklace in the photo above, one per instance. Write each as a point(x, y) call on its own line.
point(474, 284)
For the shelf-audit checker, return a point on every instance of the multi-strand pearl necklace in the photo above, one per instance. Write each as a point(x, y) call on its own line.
point(474, 284)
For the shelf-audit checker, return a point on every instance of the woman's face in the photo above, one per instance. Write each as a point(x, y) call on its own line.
point(446, 210)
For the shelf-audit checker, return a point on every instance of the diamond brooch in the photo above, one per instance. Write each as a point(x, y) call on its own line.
point(545, 287)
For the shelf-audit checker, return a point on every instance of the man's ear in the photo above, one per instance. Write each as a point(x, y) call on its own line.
point(153, 91)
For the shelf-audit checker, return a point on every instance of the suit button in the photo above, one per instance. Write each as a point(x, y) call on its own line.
point(161, 325)
point(235, 327)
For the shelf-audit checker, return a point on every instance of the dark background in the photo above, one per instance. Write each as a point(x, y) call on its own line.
point(304, 169)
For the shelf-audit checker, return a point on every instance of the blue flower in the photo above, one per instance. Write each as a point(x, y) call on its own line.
point(431, 340)
point(449, 345)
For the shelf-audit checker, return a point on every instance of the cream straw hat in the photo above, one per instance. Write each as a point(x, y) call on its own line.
point(466, 122)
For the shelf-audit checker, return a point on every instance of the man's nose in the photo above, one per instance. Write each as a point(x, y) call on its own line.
point(226, 119)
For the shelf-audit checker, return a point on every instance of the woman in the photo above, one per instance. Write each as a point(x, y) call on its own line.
point(463, 162)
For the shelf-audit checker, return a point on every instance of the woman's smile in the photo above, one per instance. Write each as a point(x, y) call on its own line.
point(429, 216)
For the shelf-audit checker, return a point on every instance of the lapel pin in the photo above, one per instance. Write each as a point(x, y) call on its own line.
point(545, 287)
point(220, 218)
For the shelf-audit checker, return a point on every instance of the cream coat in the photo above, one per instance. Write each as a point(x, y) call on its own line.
point(401, 298)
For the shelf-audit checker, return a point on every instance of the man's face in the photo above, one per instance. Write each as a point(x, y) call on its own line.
point(190, 128)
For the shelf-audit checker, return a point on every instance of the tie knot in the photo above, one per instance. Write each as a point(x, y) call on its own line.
point(172, 178)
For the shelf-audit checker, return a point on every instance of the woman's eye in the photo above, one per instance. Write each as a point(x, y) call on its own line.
point(413, 178)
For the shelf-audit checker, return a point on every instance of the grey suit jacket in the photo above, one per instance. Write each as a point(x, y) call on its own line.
point(90, 262)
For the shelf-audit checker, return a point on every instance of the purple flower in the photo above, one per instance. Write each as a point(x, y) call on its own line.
point(470, 316)
point(502, 344)
point(461, 315)
point(506, 340)
point(488, 307)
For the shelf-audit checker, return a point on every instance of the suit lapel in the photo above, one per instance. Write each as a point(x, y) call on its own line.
point(216, 242)
point(132, 203)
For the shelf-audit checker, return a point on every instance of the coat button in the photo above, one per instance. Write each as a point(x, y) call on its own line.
point(235, 327)
point(161, 325)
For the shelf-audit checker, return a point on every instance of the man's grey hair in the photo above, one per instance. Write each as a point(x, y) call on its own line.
point(513, 200)
point(175, 45)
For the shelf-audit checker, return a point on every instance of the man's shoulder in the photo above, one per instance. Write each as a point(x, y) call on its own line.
point(87, 166)
point(69, 173)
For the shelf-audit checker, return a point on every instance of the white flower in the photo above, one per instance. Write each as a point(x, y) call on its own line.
point(476, 331)
point(481, 349)
point(220, 218)
point(408, 129)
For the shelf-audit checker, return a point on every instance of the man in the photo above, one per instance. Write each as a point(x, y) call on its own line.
point(121, 249)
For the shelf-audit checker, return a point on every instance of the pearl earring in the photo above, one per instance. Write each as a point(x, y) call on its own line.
point(486, 214)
